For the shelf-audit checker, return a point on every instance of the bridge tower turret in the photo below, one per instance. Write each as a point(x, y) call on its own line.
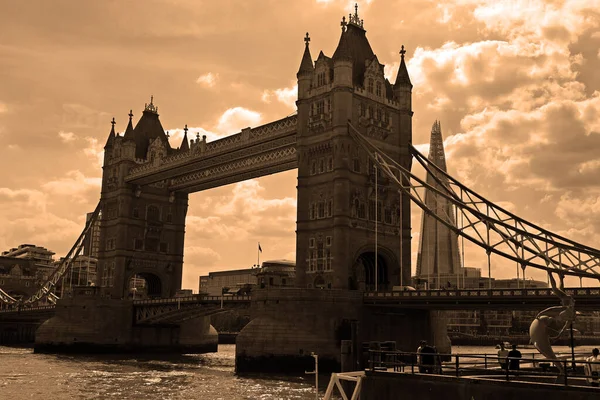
point(340, 209)
point(142, 228)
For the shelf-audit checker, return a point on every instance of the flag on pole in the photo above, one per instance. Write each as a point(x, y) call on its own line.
point(259, 248)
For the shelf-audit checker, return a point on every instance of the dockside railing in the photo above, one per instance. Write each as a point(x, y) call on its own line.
point(486, 366)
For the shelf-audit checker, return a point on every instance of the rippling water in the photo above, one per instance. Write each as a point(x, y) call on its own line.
point(25, 375)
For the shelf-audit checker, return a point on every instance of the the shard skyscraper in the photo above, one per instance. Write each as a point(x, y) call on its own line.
point(438, 260)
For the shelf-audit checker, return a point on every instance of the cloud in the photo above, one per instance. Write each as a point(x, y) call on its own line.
point(74, 185)
point(27, 217)
point(3, 108)
point(208, 80)
point(26, 200)
point(66, 137)
point(234, 119)
point(94, 150)
point(76, 115)
point(286, 96)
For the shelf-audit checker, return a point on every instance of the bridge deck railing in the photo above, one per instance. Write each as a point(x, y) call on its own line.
point(462, 293)
point(25, 309)
point(196, 298)
point(531, 368)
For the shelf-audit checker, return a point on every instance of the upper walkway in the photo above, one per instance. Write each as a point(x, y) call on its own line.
point(178, 308)
point(494, 299)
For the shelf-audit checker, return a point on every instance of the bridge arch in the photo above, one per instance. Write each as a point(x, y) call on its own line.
point(362, 276)
point(144, 285)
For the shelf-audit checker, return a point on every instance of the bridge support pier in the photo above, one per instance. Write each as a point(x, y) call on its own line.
point(90, 323)
point(288, 324)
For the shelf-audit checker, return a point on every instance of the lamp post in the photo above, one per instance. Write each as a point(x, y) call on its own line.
point(316, 372)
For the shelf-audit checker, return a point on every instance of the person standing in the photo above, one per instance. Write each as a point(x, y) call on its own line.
point(514, 358)
point(593, 370)
point(426, 357)
point(422, 344)
point(502, 356)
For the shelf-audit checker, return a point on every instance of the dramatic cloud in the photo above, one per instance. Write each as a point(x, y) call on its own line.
point(94, 150)
point(514, 84)
point(234, 119)
point(208, 80)
point(287, 96)
point(66, 136)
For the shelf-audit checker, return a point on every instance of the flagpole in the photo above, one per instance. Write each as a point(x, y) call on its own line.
point(258, 256)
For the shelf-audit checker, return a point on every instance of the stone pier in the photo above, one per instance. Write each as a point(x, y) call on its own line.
point(90, 323)
point(289, 324)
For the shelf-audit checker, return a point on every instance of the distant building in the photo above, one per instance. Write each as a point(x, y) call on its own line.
point(24, 269)
point(18, 276)
point(273, 273)
point(40, 255)
point(276, 273)
point(138, 288)
point(91, 241)
point(82, 271)
point(438, 259)
point(203, 284)
point(221, 281)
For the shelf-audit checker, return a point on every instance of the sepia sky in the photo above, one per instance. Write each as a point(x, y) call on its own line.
point(515, 84)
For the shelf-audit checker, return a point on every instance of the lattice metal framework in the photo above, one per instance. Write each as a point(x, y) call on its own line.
point(170, 313)
point(484, 223)
point(46, 290)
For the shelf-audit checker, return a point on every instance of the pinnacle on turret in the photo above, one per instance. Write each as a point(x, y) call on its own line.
point(185, 146)
point(128, 135)
point(306, 65)
point(151, 107)
point(402, 78)
point(111, 135)
point(436, 146)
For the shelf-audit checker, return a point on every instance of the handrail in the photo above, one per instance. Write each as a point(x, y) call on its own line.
point(499, 292)
point(398, 361)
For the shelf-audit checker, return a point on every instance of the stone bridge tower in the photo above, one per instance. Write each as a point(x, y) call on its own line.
point(142, 228)
point(338, 203)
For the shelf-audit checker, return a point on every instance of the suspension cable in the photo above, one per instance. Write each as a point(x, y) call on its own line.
point(581, 260)
point(46, 290)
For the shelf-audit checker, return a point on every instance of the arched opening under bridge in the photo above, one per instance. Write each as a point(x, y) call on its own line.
point(144, 286)
point(365, 271)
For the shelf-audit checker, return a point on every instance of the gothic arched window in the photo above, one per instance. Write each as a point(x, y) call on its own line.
point(370, 86)
point(152, 213)
point(378, 89)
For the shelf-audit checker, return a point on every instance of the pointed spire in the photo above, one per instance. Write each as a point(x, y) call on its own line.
point(151, 107)
point(436, 146)
point(129, 131)
point(185, 146)
point(402, 78)
point(354, 19)
point(306, 65)
point(111, 135)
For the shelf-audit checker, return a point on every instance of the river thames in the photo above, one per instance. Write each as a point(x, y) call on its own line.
point(25, 375)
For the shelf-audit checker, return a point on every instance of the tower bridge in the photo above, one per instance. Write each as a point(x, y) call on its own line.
point(351, 142)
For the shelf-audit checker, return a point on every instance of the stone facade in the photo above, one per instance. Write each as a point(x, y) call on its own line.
point(340, 207)
point(142, 228)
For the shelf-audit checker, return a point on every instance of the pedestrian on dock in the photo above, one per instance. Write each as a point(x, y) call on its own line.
point(593, 370)
point(503, 357)
point(514, 359)
point(426, 358)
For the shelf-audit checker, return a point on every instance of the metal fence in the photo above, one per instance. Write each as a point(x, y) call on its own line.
point(538, 369)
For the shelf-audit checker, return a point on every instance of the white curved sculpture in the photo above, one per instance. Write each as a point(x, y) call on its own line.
point(545, 323)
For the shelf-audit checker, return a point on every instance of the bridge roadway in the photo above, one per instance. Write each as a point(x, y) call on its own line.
point(177, 309)
point(587, 299)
